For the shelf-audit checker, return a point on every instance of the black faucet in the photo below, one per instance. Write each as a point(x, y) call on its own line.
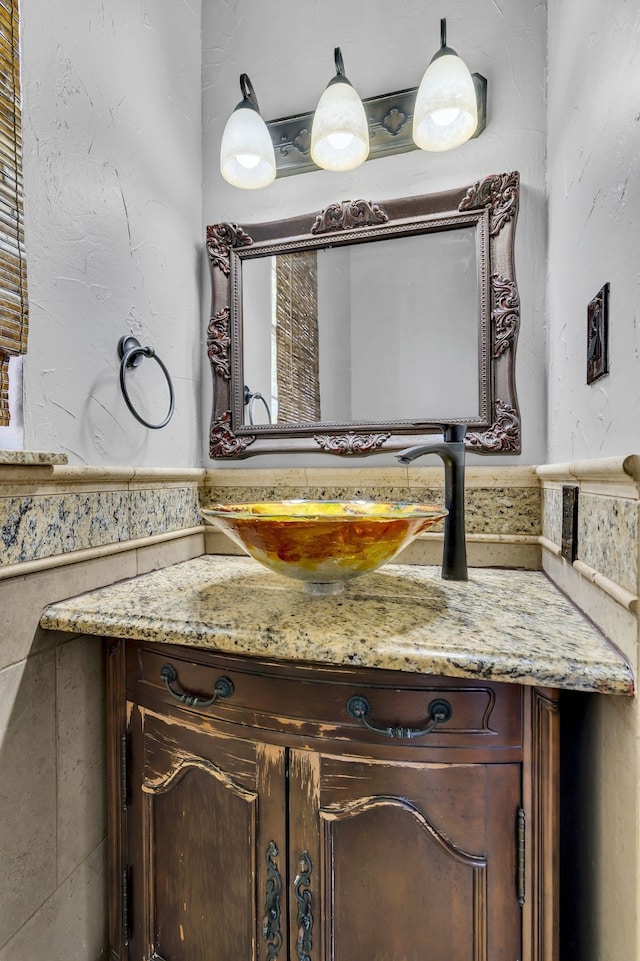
point(451, 450)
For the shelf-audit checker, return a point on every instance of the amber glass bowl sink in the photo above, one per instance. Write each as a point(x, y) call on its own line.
point(323, 543)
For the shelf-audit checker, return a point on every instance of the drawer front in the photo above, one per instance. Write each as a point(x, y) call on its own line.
point(361, 705)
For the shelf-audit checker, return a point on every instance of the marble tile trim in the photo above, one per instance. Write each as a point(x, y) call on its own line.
point(615, 476)
point(519, 551)
point(608, 509)
point(490, 510)
point(54, 511)
point(193, 535)
point(32, 457)
point(615, 620)
point(608, 537)
point(620, 595)
point(33, 527)
point(57, 478)
point(552, 515)
point(366, 477)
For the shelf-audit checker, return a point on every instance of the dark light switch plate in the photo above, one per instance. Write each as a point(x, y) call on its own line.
point(598, 335)
point(570, 523)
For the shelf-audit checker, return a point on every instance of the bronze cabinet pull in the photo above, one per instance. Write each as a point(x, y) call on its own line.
point(521, 875)
point(221, 689)
point(438, 712)
point(271, 921)
point(302, 888)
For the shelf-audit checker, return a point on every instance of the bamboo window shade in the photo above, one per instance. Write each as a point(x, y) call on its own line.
point(297, 337)
point(13, 273)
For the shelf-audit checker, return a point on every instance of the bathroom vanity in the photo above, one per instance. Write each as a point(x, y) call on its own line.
point(369, 776)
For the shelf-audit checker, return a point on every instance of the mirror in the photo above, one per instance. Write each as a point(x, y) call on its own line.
point(338, 312)
point(367, 326)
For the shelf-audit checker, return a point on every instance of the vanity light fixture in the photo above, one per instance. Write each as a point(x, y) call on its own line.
point(340, 132)
point(446, 110)
point(247, 157)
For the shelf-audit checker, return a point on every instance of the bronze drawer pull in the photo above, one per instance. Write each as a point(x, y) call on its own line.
point(438, 711)
point(222, 688)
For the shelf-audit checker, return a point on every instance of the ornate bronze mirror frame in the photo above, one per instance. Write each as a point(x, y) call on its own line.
point(489, 206)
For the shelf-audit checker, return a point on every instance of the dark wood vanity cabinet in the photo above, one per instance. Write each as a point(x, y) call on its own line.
point(271, 824)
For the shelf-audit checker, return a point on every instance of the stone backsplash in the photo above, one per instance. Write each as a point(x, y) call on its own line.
point(496, 502)
point(608, 508)
point(52, 511)
point(75, 509)
point(603, 579)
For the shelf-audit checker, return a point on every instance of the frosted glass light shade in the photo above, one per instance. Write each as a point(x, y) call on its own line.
point(247, 158)
point(446, 109)
point(340, 132)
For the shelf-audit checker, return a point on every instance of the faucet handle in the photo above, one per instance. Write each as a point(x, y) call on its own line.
point(454, 433)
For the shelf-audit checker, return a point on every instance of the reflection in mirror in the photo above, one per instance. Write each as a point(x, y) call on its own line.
point(366, 326)
point(387, 330)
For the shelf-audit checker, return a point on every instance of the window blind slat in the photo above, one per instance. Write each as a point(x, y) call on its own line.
point(4, 391)
point(13, 277)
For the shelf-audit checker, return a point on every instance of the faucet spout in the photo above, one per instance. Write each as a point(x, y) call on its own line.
point(452, 452)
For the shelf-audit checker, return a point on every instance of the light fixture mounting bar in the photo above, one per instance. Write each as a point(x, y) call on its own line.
point(390, 119)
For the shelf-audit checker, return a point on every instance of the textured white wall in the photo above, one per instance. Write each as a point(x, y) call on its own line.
point(594, 212)
point(113, 170)
point(386, 44)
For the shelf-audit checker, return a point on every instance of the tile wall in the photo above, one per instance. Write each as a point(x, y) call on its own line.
point(47, 512)
point(64, 531)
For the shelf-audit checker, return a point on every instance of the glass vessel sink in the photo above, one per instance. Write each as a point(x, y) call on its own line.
point(323, 543)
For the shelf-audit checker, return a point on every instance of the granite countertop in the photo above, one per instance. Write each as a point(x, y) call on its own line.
point(502, 625)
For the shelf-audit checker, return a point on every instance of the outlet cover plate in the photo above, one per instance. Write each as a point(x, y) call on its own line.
point(570, 523)
point(598, 335)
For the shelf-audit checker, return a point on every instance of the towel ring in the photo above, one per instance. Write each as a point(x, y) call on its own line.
point(132, 353)
point(249, 399)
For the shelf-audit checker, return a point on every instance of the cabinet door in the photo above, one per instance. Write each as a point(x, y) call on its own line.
point(206, 836)
point(400, 861)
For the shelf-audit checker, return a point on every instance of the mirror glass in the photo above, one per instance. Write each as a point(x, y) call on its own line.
point(377, 331)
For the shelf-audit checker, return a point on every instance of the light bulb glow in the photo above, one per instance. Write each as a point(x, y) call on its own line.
point(445, 116)
point(248, 160)
point(340, 140)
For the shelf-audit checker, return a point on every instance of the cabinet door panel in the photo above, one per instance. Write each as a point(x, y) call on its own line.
point(201, 824)
point(410, 857)
point(397, 887)
point(452, 797)
point(200, 830)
